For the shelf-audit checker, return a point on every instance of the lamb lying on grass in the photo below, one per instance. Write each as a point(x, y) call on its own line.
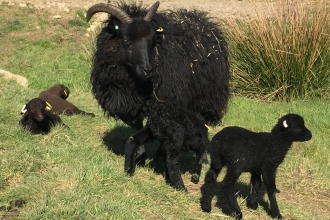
point(37, 119)
point(241, 150)
point(56, 96)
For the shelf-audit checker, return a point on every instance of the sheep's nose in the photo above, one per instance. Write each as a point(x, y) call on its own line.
point(40, 117)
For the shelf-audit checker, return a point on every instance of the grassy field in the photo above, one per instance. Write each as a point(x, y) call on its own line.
point(78, 173)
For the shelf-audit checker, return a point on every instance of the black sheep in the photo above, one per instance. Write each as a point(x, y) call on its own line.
point(241, 150)
point(56, 96)
point(142, 55)
point(177, 130)
point(37, 119)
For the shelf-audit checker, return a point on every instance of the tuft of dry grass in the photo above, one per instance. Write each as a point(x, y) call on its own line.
point(282, 51)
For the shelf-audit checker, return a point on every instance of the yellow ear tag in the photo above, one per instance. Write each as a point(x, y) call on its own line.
point(160, 29)
point(48, 106)
point(66, 95)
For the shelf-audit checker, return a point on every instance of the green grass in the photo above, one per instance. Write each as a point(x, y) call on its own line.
point(78, 173)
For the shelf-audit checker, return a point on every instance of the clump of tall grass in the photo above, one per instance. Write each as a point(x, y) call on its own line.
point(281, 51)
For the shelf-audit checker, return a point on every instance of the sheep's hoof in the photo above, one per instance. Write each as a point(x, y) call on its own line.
point(195, 178)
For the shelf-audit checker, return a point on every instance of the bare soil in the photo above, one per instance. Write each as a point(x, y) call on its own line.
point(216, 8)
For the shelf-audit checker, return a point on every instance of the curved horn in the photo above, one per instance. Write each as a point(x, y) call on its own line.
point(110, 9)
point(151, 11)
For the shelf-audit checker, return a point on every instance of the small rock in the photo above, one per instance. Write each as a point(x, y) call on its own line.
point(18, 78)
point(22, 5)
point(57, 16)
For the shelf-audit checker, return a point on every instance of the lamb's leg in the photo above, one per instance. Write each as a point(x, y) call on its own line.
point(172, 145)
point(228, 184)
point(197, 167)
point(141, 155)
point(162, 153)
point(252, 200)
point(208, 187)
point(131, 148)
point(269, 180)
point(204, 159)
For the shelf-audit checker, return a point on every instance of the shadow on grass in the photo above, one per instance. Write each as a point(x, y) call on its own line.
point(116, 138)
point(243, 190)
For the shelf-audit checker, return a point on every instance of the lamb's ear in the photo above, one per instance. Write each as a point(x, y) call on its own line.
point(285, 124)
point(23, 110)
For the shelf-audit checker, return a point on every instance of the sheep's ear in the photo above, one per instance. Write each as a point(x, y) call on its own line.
point(285, 124)
point(23, 110)
point(66, 94)
point(48, 106)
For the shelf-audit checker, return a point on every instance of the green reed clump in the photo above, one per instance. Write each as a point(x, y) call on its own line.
point(281, 52)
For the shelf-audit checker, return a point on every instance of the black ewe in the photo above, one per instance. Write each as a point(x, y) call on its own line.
point(37, 119)
point(56, 96)
point(143, 55)
point(260, 154)
point(177, 130)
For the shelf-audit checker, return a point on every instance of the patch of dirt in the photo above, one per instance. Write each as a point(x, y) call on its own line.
point(10, 212)
point(215, 8)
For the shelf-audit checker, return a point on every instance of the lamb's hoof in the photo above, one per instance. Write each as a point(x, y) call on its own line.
point(251, 205)
point(91, 115)
point(129, 171)
point(206, 207)
point(195, 178)
point(277, 216)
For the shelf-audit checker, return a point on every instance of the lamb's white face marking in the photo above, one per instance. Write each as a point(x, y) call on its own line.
point(23, 110)
point(285, 124)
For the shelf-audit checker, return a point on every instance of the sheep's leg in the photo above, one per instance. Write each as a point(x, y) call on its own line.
point(131, 148)
point(252, 200)
point(208, 187)
point(269, 180)
point(228, 184)
point(197, 167)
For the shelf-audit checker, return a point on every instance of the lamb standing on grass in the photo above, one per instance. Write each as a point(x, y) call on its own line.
point(56, 96)
point(260, 154)
point(177, 130)
point(37, 119)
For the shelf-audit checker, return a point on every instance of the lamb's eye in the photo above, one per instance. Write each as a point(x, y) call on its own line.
point(297, 129)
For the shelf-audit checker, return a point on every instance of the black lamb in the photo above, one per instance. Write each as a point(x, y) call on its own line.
point(241, 150)
point(56, 96)
point(177, 130)
point(37, 119)
point(142, 55)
